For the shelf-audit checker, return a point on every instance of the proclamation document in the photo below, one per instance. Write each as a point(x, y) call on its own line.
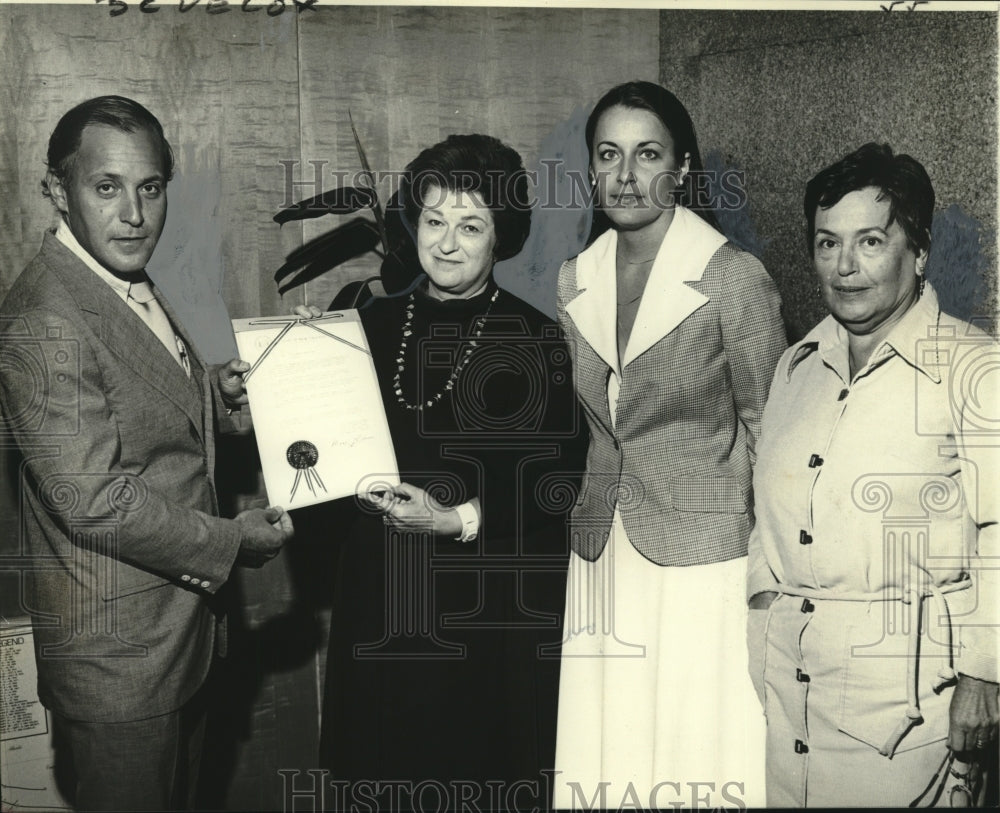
point(317, 409)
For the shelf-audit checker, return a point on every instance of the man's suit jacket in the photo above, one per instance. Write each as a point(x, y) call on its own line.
point(692, 382)
point(118, 511)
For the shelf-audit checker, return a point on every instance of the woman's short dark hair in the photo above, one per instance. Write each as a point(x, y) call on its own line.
point(481, 164)
point(900, 178)
point(115, 111)
point(671, 112)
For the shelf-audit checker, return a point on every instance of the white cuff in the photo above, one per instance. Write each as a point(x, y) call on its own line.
point(470, 522)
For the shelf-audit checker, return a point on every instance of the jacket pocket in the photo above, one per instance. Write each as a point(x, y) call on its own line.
point(124, 580)
point(874, 687)
point(708, 494)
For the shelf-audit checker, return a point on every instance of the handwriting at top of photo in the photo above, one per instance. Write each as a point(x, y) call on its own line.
point(273, 7)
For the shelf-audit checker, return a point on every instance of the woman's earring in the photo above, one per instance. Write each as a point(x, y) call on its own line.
point(921, 263)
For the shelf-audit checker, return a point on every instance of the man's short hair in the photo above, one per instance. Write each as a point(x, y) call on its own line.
point(115, 111)
point(900, 178)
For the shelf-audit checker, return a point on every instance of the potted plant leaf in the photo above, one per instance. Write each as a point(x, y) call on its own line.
point(387, 236)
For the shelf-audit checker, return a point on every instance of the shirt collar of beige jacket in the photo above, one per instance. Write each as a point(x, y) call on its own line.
point(908, 340)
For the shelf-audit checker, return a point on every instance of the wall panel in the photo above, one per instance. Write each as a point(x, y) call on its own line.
point(225, 88)
point(780, 95)
point(411, 76)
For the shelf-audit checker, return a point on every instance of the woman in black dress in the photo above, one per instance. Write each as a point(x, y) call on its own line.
point(442, 671)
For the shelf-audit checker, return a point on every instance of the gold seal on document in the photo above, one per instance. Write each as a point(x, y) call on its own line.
point(302, 455)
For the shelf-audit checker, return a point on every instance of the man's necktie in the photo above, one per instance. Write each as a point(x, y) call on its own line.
point(143, 302)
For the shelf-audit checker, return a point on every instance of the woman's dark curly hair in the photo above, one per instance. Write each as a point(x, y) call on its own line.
point(480, 164)
point(900, 178)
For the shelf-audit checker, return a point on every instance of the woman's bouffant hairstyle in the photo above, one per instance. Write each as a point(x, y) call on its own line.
point(474, 163)
point(115, 111)
point(671, 112)
point(900, 178)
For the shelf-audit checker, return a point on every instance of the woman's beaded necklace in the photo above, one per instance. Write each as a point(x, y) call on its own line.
point(397, 383)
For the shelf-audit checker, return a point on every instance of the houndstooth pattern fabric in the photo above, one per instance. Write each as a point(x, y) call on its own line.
point(678, 463)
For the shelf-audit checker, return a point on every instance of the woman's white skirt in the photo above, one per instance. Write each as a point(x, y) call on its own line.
point(656, 706)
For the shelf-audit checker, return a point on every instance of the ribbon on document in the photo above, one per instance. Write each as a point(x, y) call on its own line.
point(290, 322)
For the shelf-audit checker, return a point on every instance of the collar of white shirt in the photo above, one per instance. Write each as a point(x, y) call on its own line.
point(141, 294)
point(118, 285)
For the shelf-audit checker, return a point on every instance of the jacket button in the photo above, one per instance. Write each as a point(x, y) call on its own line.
point(843, 394)
point(804, 538)
point(815, 461)
point(807, 606)
point(617, 445)
point(801, 676)
point(801, 747)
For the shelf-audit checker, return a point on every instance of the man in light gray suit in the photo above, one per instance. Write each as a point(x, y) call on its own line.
point(114, 414)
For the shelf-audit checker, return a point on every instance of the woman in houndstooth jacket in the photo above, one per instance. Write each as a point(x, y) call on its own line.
point(673, 376)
